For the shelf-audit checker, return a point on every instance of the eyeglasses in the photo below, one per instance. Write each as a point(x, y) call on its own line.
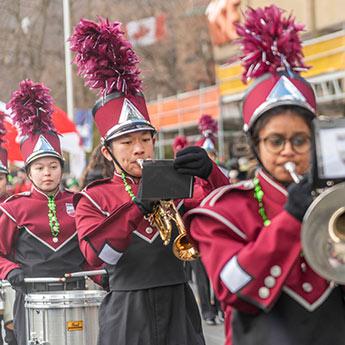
point(275, 143)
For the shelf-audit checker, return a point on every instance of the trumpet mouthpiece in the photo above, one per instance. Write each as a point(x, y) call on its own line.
point(140, 162)
point(290, 166)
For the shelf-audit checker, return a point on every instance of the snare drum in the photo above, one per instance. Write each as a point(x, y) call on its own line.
point(8, 296)
point(63, 317)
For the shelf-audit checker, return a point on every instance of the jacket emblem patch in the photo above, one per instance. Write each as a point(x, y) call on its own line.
point(70, 209)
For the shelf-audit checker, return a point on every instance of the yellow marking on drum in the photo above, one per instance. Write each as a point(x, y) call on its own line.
point(75, 325)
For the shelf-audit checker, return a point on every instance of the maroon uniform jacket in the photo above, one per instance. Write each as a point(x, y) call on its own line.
point(258, 273)
point(26, 239)
point(3, 197)
point(112, 229)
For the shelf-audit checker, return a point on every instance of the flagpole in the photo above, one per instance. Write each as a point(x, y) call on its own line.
point(68, 59)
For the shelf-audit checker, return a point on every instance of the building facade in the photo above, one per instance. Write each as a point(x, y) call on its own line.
point(324, 50)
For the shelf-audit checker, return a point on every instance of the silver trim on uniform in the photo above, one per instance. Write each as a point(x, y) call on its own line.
point(8, 214)
point(180, 204)
point(210, 196)
point(109, 255)
point(47, 244)
point(305, 303)
point(274, 184)
point(222, 219)
point(233, 276)
point(95, 203)
point(127, 177)
point(247, 184)
point(149, 240)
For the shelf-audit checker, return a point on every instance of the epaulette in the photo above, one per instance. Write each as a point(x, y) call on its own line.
point(18, 195)
point(84, 192)
point(98, 182)
point(215, 195)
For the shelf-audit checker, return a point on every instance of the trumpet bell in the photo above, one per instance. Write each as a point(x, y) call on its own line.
point(323, 234)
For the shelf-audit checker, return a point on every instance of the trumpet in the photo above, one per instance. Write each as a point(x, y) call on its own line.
point(162, 217)
point(323, 232)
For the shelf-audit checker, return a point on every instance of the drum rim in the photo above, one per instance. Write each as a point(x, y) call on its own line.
point(66, 296)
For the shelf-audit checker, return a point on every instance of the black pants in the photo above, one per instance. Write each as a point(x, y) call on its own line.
point(166, 315)
point(209, 304)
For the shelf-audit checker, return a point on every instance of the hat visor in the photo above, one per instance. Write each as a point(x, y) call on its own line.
point(268, 105)
point(135, 126)
point(40, 154)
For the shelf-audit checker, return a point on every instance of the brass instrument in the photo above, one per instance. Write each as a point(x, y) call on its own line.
point(323, 234)
point(162, 217)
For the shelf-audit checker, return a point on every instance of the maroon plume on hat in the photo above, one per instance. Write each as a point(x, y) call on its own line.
point(208, 129)
point(272, 53)
point(108, 63)
point(180, 142)
point(3, 151)
point(31, 109)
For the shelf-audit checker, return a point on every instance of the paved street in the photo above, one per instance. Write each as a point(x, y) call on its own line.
point(214, 334)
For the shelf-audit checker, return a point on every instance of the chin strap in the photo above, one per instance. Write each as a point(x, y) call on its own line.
point(117, 162)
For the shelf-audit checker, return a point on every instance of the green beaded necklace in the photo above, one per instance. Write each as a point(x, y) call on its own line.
point(128, 188)
point(53, 221)
point(258, 195)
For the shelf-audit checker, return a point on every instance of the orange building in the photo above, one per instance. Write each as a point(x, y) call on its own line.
point(324, 51)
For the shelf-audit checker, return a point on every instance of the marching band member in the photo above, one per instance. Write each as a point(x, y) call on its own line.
point(3, 161)
point(37, 228)
point(179, 143)
point(7, 295)
point(208, 128)
point(249, 233)
point(149, 300)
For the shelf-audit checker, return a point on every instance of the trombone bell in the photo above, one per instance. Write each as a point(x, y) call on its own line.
point(323, 234)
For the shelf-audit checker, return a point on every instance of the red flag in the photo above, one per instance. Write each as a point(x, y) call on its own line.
point(70, 140)
point(146, 31)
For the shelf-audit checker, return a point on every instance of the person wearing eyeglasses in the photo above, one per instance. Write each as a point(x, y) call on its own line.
point(248, 234)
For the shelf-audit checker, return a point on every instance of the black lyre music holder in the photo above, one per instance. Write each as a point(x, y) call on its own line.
point(160, 181)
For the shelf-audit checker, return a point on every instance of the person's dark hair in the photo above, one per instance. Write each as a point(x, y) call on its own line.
point(98, 167)
point(305, 114)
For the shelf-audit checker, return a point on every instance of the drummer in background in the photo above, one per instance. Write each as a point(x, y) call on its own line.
point(249, 234)
point(208, 128)
point(37, 228)
point(149, 301)
point(7, 293)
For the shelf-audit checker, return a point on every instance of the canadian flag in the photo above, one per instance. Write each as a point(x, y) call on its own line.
point(146, 31)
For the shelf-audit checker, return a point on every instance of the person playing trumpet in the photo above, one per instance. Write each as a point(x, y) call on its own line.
point(249, 233)
point(149, 300)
